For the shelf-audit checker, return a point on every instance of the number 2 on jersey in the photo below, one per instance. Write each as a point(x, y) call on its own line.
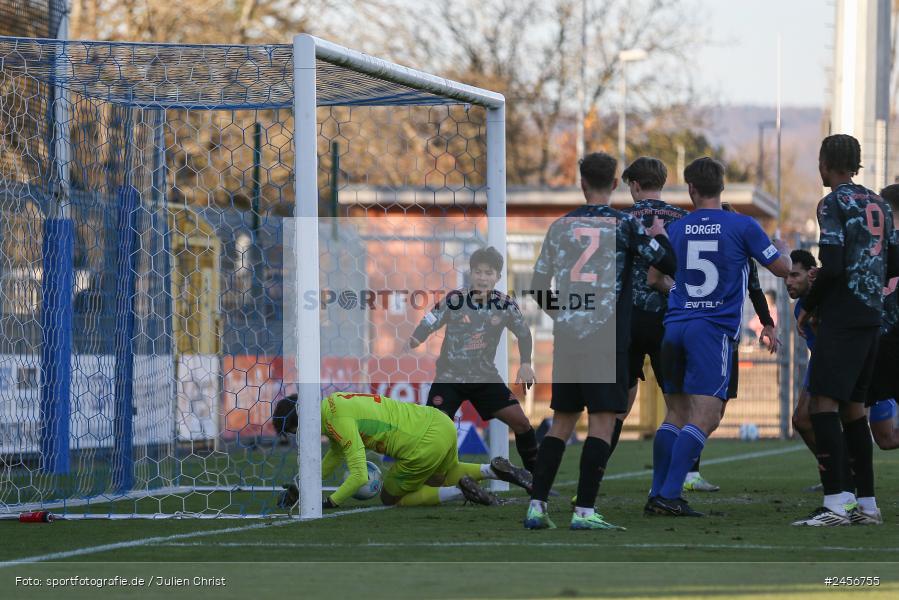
point(704, 265)
point(592, 235)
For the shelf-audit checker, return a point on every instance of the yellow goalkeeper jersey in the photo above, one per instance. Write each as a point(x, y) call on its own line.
point(353, 422)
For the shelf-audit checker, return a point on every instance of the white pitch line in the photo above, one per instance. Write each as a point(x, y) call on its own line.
point(167, 538)
point(712, 461)
point(519, 543)
point(207, 533)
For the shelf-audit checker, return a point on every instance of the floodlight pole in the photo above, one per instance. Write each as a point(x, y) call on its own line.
point(581, 94)
point(624, 57)
point(496, 237)
point(307, 349)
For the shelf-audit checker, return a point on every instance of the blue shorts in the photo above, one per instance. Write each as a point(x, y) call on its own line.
point(882, 411)
point(696, 358)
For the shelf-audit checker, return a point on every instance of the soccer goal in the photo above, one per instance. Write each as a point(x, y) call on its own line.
point(190, 233)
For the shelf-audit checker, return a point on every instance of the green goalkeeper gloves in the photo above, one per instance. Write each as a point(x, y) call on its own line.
point(291, 495)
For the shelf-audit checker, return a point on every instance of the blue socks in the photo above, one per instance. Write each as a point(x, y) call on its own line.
point(686, 450)
point(662, 446)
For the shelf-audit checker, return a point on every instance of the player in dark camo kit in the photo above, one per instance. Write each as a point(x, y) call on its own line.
point(858, 257)
point(885, 382)
point(588, 253)
point(475, 318)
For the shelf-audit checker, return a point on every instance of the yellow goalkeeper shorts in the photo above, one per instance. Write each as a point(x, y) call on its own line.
point(435, 453)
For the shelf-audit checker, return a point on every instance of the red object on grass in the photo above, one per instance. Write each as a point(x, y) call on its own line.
point(38, 516)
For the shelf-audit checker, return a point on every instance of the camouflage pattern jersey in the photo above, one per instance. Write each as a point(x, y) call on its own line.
point(472, 334)
point(890, 322)
point(592, 274)
point(645, 297)
point(859, 223)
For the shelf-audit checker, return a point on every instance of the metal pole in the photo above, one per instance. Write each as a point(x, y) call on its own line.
point(496, 237)
point(305, 253)
point(335, 176)
point(581, 92)
point(257, 159)
point(622, 117)
point(783, 312)
point(778, 125)
point(760, 170)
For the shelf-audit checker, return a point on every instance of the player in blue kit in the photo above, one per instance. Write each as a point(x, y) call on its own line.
point(705, 308)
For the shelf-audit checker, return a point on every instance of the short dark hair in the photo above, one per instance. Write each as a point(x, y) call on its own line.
point(649, 172)
point(891, 194)
point(489, 256)
point(598, 170)
point(706, 175)
point(804, 258)
point(284, 417)
point(841, 152)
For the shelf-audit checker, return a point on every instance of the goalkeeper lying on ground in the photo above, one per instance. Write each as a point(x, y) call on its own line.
point(421, 439)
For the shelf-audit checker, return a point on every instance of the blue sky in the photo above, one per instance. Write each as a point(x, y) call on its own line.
point(740, 66)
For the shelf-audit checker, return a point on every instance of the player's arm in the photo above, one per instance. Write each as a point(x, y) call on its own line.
point(519, 327)
point(541, 280)
point(657, 249)
point(893, 255)
point(830, 255)
point(333, 458)
point(659, 281)
point(344, 436)
point(759, 301)
point(431, 322)
point(773, 255)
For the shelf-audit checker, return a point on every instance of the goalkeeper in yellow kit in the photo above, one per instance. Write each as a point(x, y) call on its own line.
point(421, 440)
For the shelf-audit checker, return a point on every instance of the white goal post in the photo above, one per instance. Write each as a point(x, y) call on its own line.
point(160, 221)
point(307, 51)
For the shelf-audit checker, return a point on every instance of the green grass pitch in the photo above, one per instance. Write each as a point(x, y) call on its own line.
point(745, 546)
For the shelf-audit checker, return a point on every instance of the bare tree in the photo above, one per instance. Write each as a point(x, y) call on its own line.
point(529, 50)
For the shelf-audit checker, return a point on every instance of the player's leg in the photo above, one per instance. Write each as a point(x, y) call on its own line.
point(552, 449)
point(802, 422)
point(677, 403)
point(859, 445)
point(604, 402)
point(565, 396)
point(883, 424)
point(636, 356)
point(496, 401)
point(431, 474)
point(834, 370)
point(706, 377)
point(446, 397)
point(705, 414)
point(884, 390)
point(695, 482)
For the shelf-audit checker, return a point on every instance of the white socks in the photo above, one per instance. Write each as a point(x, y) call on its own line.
point(487, 472)
point(867, 505)
point(837, 502)
point(447, 494)
point(538, 505)
point(583, 512)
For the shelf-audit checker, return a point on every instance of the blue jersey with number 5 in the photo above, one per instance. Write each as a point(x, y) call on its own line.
point(713, 249)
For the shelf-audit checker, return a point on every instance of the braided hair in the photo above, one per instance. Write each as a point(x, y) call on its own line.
point(842, 153)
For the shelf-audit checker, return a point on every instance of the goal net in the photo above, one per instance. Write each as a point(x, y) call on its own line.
point(190, 233)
